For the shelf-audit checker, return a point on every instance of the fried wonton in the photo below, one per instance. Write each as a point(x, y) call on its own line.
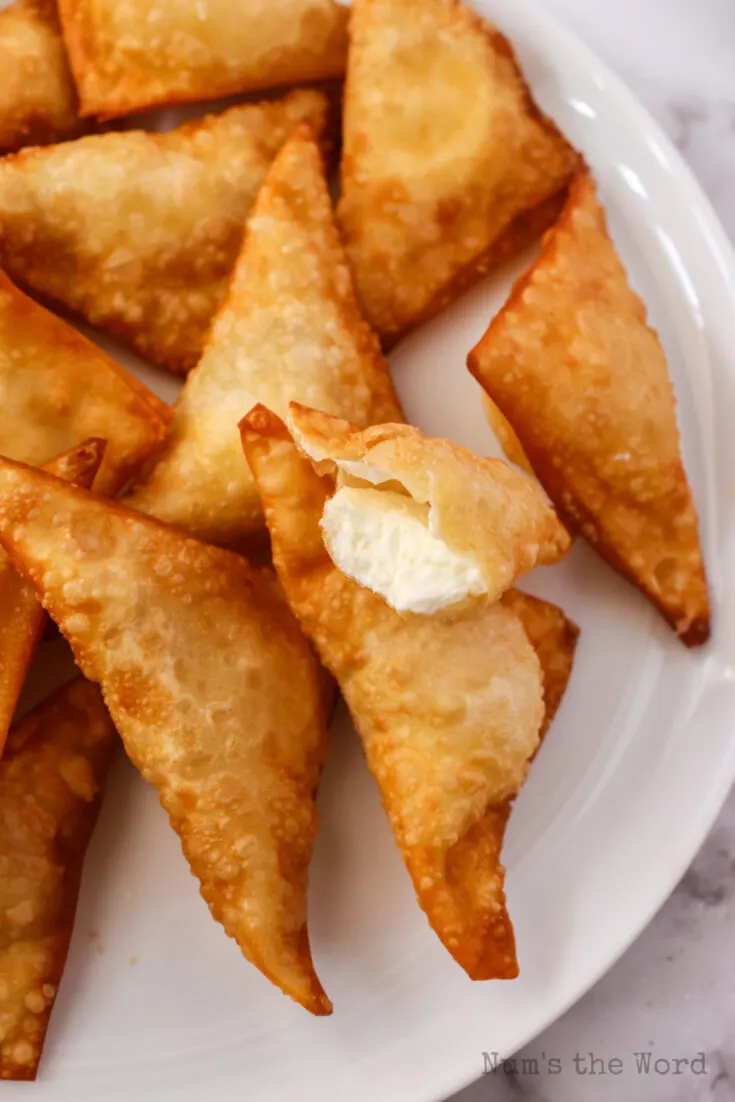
point(138, 232)
point(58, 389)
point(38, 101)
point(448, 708)
point(125, 60)
point(289, 328)
point(21, 616)
point(425, 522)
point(448, 165)
point(583, 380)
point(554, 638)
point(214, 690)
point(51, 779)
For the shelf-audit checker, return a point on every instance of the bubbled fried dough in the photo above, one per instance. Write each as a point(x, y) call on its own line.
point(215, 692)
point(572, 363)
point(132, 55)
point(136, 232)
point(38, 100)
point(50, 784)
point(21, 616)
point(289, 328)
point(448, 165)
point(448, 709)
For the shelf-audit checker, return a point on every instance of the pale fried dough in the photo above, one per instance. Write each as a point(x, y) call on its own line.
point(51, 779)
point(138, 232)
point(481, 508)
point(289, 328)
point(38, 101)
point(213, 688)
point(127, 55)
point(21, 616)
point(448, 166)
point(583, 380)
point(448, 709)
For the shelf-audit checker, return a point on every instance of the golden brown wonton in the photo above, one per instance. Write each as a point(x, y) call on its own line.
point(449, 709)
point(58, 389)
point(583, 380)
point(38, 101)
point(215, 692)
point(51, 778)
point(448, 165)
point(127, 56)
point(21, 616)
point(138, 232)
point(288, 328)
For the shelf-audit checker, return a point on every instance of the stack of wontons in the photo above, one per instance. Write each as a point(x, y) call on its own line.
point(391, 559)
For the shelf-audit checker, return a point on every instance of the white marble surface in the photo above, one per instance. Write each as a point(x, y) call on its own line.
point(673, 993)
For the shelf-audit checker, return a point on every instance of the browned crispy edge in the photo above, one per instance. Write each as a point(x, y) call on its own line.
point(573, 513)
point(71, 853)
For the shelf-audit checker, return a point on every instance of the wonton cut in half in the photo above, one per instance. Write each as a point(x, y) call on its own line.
point(216, 694)
point(130, 56)
point(582, 378)
point(449, 708)
point(448, 165)
point(51, 779)
point(137, 233)
point(289, 328)
point(38, 101)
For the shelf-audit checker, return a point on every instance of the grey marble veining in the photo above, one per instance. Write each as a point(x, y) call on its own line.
point(672, 995)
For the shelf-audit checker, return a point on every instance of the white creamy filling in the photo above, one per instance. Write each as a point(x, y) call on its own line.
point(383, 540)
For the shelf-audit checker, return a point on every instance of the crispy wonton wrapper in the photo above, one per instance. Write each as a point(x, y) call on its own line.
point(480, 508)
point(58, 389)
point(448, 167)
point(554, 638)
point(214, 690)
point(21, 616)
point(51, 779)
point(38, 101)
point(289, 328)
point(572, 364)
point(138, 232)
point(448, 709)
point(125, 61)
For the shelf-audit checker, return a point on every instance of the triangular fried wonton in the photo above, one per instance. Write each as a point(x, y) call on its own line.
point(448, 165)
point(289, 328)
point(38, 101)
point(583, 380)
point(138, 232)
point(21, 616)
point(448, 708)
point(51, 779)
point(124, 60)
point(58, 389)
point(213, 688)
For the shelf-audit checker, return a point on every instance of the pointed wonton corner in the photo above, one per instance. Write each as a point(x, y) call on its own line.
point(289, 328)
point(137, 232)
point(447, 181)
point(213, 688)
point(51, 780)
point(582, 378)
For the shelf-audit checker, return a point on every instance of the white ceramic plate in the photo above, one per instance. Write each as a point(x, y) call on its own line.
point(157, 1004)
